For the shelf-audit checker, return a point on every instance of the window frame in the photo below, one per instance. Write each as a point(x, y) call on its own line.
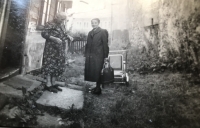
point(45, 9)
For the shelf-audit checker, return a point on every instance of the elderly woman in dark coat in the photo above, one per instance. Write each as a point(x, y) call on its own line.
point(54, 52)
point(96, 52)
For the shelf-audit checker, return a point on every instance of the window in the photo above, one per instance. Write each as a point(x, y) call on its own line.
point(58, 6)
point(48, 10)
point(53, 9)
point(44, 10)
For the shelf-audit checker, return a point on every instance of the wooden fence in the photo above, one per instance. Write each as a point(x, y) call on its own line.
point(77, 46)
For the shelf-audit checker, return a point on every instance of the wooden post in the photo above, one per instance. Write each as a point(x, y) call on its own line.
point(69, 46)
point(73, 46)
point(84, 42)
point(82, 47)
point(79, 49)
point(76, 46)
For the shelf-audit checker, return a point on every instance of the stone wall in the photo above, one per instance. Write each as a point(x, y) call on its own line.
point(174, 34)
point(179, 22)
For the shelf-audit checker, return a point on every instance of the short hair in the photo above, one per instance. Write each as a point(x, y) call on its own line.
point(97, 19)
point(61, 14)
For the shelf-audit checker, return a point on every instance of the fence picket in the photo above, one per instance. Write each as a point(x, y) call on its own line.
point(77, 46)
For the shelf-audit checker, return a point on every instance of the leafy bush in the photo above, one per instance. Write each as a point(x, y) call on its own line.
point(78, 35)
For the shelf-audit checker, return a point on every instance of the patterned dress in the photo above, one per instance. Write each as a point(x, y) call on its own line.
point(54, 53)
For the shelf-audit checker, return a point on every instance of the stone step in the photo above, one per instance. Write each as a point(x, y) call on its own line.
point(20, 81)
point(37, 78)
point(79, 81)
point(40, 79)
point(76, 87)
point(63, 100)
point(71, 95)
point(9, 91)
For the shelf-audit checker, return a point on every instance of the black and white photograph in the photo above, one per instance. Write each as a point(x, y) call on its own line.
point(100, 63)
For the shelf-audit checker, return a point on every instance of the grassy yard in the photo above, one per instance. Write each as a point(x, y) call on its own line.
point(152, 101)
point(159, 100)
point(166, 100)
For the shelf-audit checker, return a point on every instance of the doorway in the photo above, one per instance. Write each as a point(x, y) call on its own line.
point(12, 36)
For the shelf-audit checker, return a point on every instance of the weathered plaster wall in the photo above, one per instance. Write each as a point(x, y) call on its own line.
point(175, 32)
point(179, 21)
point(34, 51)
point(119, 18)
point(34, 42)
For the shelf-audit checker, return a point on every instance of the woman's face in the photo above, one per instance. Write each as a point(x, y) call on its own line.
point(94, 23)
point(60, 19)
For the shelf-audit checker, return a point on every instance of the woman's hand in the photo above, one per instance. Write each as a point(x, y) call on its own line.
point(71, 38)
point(58, 40)
point(55, 39)
point(106, 60)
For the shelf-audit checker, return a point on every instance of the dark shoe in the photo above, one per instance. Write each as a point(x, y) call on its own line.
point(56, 87)
point(97, 91)
point(50, 89)
point(93, 89)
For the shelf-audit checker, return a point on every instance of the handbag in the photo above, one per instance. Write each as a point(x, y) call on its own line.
point(107, 73)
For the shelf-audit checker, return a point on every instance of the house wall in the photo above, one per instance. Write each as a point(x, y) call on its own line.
point(119, 28)
point(13, 33)
point(34, 44)
point(174, 32)
point(179, 29)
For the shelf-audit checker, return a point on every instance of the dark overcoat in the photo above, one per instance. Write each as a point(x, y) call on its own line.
point(95, 51)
